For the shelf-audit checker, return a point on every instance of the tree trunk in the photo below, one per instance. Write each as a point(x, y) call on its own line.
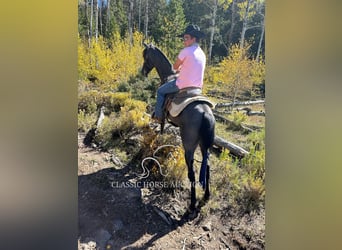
point(232, 26)
point(244, 24)
point(130, 22)
point(212, 30)
point(87, 16)
point(91, 21)
point(100, 19)
point(146, 19)
point(261, 38)
point(139, 15)
point(108, 18)
point(96, 20)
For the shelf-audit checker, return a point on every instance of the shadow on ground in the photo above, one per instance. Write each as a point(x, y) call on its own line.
point(113, 214)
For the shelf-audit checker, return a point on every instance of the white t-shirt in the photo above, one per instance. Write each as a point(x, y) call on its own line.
point(192, 70)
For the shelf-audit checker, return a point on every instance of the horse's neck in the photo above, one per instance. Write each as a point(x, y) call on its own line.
point(164, 68)
point(164, 73)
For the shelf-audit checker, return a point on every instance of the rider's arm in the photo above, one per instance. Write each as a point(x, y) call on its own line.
point(177, 65)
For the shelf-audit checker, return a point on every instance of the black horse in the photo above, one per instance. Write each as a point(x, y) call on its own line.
point(196, 122)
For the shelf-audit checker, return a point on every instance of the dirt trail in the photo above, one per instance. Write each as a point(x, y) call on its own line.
point(113, 215)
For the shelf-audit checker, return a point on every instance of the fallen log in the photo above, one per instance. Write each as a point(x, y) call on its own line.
point(229, 104)
point(247, 111)
point(231, 123)
point(233, 149)
point(259, 113)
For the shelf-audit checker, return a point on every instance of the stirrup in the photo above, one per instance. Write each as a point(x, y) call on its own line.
point(156, 119)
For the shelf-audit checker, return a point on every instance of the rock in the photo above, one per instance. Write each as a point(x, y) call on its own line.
point(207, 226)
point(91, 245)
point(117, 161)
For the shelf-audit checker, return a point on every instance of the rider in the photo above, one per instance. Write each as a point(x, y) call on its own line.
point(190, 64)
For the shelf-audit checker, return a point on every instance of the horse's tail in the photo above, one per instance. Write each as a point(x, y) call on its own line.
point(207, 130)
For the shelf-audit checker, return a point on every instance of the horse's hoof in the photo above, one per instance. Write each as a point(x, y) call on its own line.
point(191, 213)
point(206, 197)
point(202, 202)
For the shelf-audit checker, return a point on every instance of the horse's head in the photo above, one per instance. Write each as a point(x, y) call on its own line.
point(148, 59)
point(153, 57)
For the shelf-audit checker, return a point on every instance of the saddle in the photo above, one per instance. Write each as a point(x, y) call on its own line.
point(175, 103)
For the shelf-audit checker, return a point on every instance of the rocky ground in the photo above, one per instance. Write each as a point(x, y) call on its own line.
point(115, 214)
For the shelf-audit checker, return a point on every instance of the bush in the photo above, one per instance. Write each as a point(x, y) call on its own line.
point(92, 100)
point(170, 155)
point(108, 63)
point(237, 118)
point(85, 121)
point(235, 74)
point(243, 182)
point(120, 126)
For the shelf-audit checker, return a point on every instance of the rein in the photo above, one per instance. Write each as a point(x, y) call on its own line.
point(169, 78)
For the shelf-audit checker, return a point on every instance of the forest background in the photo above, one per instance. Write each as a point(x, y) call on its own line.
point(111, 29)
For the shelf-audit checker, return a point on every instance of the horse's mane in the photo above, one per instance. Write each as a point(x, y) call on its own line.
point(162, 63)
point(163, 55)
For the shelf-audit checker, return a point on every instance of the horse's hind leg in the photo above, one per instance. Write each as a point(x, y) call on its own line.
point(189, 158)
point(205, 172)
point(207, 191)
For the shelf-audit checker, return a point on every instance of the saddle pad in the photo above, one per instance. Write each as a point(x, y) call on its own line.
point(176, 109)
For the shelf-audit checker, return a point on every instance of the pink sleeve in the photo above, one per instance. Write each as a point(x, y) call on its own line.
point(182, 54)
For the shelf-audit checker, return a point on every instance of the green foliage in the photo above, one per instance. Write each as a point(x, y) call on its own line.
point(133, 115)
point(253, 191)
point(236, 73)
point(109, 62)
point(170, 155)
point(255, 162)
point(238, 118)
point(122, 125)
point(113, 20)
point(242, 182)
point(85, 121)
point(172, 23)
point(141, 88)
point(92, 100)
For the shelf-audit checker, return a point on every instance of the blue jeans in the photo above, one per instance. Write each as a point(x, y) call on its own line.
point(166, 88)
